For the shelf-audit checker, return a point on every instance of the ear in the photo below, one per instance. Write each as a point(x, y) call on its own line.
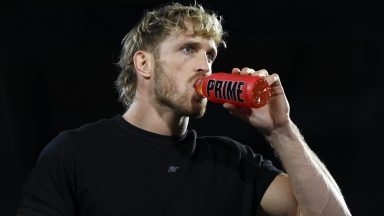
point(143, 63)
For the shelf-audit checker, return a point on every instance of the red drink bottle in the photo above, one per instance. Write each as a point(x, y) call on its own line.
point(239, 90)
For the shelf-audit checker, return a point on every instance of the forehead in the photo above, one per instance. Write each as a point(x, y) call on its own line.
point(179, 37)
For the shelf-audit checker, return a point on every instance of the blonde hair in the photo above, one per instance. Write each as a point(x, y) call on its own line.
point(153, 28)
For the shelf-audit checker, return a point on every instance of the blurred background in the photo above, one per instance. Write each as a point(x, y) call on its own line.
point(58, 67)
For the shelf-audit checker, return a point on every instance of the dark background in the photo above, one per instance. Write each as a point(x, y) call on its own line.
point(57, 72)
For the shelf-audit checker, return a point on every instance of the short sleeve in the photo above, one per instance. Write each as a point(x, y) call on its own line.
point(264, 172)
point(50, 188)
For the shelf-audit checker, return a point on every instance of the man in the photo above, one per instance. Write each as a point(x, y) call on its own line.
point(146, 162)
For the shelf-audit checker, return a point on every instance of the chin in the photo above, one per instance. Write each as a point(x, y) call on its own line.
point(195, 107)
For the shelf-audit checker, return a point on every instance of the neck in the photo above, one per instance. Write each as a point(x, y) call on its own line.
point(161, 121)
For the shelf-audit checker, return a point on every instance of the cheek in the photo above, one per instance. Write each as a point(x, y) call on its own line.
point(174, 62)
point(180, 83)
point(177, 70)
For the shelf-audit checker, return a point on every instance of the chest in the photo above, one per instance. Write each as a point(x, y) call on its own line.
point(165, 182)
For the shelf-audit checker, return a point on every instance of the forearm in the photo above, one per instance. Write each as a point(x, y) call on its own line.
point(314, 188)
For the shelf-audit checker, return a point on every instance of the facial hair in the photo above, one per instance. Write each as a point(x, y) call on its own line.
point(167, 94)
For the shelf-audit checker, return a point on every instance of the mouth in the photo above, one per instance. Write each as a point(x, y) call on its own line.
point(195, 95)
point(196, 77)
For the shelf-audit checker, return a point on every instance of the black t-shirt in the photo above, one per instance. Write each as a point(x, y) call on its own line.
point(111, 167)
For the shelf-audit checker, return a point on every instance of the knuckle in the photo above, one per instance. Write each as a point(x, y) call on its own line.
point(263, 71)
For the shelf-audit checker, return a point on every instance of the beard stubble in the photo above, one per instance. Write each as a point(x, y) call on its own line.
point(167, 94)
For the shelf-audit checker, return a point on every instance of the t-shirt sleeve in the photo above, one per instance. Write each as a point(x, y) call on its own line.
point(263, 172)
point(50, 188)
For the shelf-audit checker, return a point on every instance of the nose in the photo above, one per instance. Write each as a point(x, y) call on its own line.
point(204, 65)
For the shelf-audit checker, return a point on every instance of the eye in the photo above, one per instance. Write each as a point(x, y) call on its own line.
point(188, 49)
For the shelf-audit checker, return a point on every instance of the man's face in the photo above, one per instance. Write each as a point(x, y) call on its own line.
point(181, 59)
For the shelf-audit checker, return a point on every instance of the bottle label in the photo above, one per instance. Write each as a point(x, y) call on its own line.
point(227, 90)
point(239, 90)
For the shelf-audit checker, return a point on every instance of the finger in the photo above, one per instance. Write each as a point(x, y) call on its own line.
point(273, 79)
point(261, 73)
point(240, 112)
point(247, 71)
point(236, 70)
point(229, 106)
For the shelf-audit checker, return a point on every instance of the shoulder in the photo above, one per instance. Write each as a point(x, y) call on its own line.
point(91, 133)
point(226, 143)
point(228, 147)
point(96, 128)
point(222, 142)
point(87, 134)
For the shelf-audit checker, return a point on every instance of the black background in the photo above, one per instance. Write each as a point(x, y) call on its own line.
point(57, 72)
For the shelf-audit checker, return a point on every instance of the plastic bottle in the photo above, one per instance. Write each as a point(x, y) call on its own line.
point(239, 90)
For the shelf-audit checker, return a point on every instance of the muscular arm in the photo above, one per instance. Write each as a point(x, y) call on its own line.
point(308, 189)
point(313, 190)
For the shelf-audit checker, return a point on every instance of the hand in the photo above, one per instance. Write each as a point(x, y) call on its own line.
point(274, 114)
